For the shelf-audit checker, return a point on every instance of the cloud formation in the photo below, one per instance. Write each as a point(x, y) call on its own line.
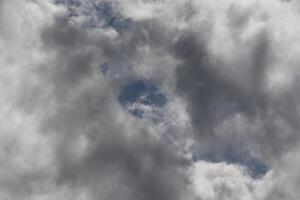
point(216, 83)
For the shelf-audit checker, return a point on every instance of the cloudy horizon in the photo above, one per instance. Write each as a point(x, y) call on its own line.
point(149, 99)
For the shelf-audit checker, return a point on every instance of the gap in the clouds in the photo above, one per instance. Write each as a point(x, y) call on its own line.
point(256, 167)
point(143, 98)
point(140, 97)
point(96, 14)
point(112, 18)
point(104, 67)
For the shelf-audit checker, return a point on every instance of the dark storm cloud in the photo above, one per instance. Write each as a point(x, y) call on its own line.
point(213, 96)
point(210, 97)
point(77, 52)
point(145, 166)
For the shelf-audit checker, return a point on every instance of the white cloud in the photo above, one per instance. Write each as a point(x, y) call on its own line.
point(226, 181)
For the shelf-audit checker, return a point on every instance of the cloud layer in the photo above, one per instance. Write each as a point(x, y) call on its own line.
point(136, 99)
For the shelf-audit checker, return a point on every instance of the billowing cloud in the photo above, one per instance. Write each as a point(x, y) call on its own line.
point(109, 99)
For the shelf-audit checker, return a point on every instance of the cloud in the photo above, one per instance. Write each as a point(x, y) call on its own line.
point(69, 136)
point(222, 78)
point(223, 181)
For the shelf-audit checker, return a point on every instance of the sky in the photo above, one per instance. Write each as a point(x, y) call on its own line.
point(149, 99)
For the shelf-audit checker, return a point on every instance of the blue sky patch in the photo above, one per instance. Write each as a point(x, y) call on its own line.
point(97, 14)
point(112, 19)
point(104, 68)
point(140, 96)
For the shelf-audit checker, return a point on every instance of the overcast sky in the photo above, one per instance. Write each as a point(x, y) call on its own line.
point(149, 100)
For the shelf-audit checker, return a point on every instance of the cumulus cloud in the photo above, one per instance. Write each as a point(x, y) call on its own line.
point(149, 99)
point(224, 181)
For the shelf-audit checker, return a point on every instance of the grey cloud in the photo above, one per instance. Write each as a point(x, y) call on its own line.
point(216, 58)
point(86, 111)
point(215, 92)
point(211, 98)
